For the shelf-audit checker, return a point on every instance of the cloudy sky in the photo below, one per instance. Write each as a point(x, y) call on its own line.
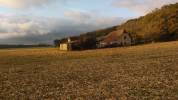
point(42, 21)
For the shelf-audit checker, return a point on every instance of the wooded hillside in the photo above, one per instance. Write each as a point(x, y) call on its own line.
point(159, 25)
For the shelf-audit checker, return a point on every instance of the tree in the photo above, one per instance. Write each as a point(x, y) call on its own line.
point(56, 43)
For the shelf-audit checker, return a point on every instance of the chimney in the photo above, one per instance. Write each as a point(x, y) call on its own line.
point(69, 40)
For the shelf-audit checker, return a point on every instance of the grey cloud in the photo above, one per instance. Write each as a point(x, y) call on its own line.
point(34, 30)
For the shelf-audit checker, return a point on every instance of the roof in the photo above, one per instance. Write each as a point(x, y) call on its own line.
point(113, 36)
point(73, 39)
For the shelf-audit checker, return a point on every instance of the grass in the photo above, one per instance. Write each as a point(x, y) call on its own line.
point(134, 73)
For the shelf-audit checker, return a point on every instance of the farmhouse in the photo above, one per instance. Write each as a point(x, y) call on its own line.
point(116, 38)
point(81, 42)
point(69, 44)
point(66, 46)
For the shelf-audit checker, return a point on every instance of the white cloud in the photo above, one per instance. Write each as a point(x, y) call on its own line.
point(25, 3)
point(142, 6)
point(92, 18)
point(15, 26)
point(78, 15)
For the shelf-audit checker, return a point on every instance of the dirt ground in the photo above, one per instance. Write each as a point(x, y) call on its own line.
point(147, 72)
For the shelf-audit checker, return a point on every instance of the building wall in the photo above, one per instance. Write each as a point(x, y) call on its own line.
point(123, 40)
point(64, 46)
point(126, 40)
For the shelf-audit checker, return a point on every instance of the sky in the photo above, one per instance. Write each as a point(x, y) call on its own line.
point(42, 21)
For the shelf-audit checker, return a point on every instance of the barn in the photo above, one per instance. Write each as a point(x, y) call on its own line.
point(116, 38)
point(70, 44)
point(65, 46)
point(81, 42)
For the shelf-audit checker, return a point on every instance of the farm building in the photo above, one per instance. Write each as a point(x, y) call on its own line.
point(116, 38)
point(66, 46)
point(69, 44)
point(81, 42)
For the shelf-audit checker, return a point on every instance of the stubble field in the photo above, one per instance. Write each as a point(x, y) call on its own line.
point(133, 73)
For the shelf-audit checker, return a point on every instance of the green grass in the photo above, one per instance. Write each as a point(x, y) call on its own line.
point(138, 72)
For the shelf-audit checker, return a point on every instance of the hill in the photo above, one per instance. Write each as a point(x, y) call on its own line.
point(138, 72)
point(159, 25)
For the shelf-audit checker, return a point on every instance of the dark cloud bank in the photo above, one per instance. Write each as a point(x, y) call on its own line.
point(35, 30)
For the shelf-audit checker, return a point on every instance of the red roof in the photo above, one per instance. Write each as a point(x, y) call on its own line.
point(113, 36)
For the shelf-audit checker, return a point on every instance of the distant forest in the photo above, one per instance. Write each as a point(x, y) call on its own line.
point(5, 46)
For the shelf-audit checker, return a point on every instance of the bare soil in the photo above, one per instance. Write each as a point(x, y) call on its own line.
point(147, 72)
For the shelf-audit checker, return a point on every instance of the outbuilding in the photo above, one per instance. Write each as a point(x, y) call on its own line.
point(66, 46)
point(70, 44)
point(116, 38)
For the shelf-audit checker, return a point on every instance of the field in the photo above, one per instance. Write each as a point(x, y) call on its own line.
point(132, 73)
